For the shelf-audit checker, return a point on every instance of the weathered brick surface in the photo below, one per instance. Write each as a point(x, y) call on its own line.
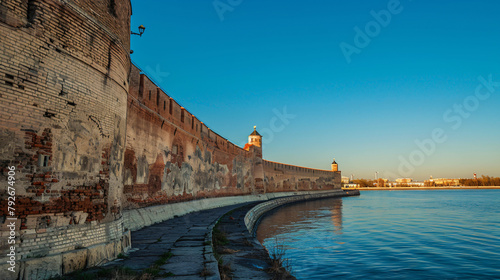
point(64, 68)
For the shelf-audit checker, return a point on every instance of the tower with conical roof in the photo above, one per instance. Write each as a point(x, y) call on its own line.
point(335, 166)
point(254, 143)
point(255, 138)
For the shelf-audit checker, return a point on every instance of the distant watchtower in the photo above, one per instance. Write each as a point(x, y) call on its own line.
point(335, 166)
point(255, 138)
point(254, 142)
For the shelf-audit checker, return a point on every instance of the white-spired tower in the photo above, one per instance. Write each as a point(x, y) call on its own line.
point(255, 138)
point(335, 166)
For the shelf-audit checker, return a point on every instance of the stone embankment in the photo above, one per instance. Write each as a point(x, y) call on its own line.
point(181, 246)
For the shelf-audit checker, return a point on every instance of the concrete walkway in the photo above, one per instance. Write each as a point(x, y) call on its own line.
point(186, 237)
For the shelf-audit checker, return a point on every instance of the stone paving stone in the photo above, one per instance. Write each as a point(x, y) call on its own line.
point(192, 238)
point(179, 251)
point(144, 241)
point(200, 231)
point(168, 239)
point(156, 250)
point(189, 243)
point(161, 227)
point(147, 235)
point(183, 268)
point(187, 258)
point(199, 227)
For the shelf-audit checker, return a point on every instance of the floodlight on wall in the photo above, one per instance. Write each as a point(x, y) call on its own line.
point(141, 30)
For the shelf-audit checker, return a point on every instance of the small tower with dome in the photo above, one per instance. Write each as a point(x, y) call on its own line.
point(254, 142)
point(255, 138)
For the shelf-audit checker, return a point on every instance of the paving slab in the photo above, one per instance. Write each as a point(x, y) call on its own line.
point(198, 227)
point(192, 238)
point(189, 243)
point(184, 268)
point(197, 231)
point(155, 251)
point(187, 251)
point(187, 258)
point(144, 241)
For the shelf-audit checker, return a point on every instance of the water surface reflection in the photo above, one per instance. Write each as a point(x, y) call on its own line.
point(302, 216)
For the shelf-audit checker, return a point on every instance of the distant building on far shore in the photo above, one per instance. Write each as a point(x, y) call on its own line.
point(442, 182)
point(345, 180)
point(409, 184)
point(404, 180)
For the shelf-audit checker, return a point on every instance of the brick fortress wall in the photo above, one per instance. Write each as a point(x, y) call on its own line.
point(285, 177)
point(171, 156)
point(64, 67)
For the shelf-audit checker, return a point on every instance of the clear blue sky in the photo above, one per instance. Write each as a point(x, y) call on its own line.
point(237, 66)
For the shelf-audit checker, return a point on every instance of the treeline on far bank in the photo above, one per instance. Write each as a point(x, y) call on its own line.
point(367, 183)
point(483, 181)
point(364, 183)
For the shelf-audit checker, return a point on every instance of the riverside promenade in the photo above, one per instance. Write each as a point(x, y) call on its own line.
point(181, 247)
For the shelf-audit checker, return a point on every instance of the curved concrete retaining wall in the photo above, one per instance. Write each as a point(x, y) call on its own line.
point(253, 216)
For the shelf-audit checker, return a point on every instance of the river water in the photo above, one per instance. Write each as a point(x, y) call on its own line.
point(422, 234)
